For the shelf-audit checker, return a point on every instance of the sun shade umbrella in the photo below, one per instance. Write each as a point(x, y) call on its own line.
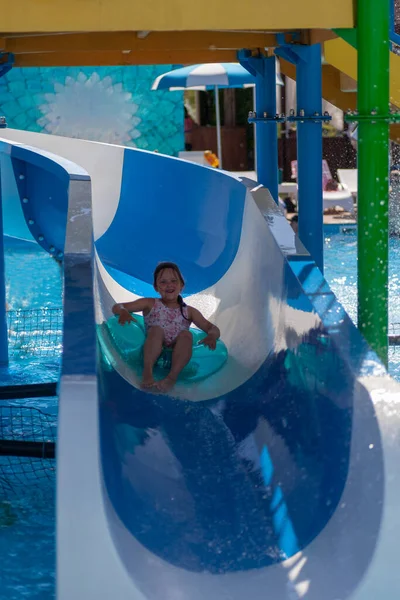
point(207, 77)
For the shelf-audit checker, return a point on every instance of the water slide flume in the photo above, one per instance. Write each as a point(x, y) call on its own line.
point(278, 471)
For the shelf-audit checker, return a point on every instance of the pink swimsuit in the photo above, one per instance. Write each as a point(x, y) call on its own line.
point(170, 319)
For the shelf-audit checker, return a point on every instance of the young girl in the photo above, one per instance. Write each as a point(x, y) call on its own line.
point(167, 320)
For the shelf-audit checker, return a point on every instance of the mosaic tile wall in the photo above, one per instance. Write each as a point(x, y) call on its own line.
point(106, 104)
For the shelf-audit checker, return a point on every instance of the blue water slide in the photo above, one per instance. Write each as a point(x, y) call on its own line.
point(35, 188)
point(274, 478)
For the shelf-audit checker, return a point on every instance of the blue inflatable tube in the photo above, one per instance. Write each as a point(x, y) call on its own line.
point(128, 340)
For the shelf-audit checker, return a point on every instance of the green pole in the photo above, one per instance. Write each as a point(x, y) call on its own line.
point(373, 172)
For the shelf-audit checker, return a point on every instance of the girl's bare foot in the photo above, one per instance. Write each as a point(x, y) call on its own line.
point(147, 381)
point(166, 384)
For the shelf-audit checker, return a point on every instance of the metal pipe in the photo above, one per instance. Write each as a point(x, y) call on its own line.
point(218, 121)
point(267, 136)
point(373, 172)
point(309, 150)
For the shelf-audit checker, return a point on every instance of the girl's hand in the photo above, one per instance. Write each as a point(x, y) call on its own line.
point(210, 341)
point(125, 317)
point(213, 333)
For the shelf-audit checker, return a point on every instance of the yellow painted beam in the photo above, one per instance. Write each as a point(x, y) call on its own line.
point(331, 90)
point(130, 40)
point(173, 15)
point(343, 57)
point(395, 133)
point(98, 59)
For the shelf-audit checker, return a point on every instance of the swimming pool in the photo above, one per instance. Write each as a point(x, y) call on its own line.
point(24, 261)
point(27, 514)
point(341, 272)
point(27, 519)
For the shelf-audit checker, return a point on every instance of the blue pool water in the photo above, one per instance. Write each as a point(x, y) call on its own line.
point(33, 277)
point(27, 516)
point(341, 273)
point(27, 545)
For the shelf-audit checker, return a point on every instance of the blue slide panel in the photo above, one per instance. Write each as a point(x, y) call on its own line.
point(247, 479)
point(41, 181)
point(176, 211)
point(44, 201)
point(42, 187)
point(42, 184)
point(79, 338)
point(188, 491)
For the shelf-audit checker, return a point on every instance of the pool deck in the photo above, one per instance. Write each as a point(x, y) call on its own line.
point(341, 218)
point(338, 218)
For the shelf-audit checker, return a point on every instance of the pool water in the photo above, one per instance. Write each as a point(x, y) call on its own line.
point(27, 516)
point(24, 261)
point(27, 544)
point(27, 493)
point(33, 281)
point(341, 273)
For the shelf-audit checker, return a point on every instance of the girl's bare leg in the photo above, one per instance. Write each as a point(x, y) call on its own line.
point(181, 355)
point(151, 351)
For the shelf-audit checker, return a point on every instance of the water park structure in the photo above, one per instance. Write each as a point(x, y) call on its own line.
point(277, 474)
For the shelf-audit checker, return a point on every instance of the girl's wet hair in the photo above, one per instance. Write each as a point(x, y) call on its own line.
point(174, 267)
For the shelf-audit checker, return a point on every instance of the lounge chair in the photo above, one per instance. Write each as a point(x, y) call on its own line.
point(331, 198)
point(348, 179)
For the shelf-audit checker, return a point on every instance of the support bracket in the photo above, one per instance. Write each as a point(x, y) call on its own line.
point(266, 118)
point(314, 118)
point(352, 116)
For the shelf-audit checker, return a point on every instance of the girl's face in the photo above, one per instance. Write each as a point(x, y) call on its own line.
point(168, 285)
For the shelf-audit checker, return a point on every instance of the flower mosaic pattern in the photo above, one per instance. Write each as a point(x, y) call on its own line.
point(105, 104)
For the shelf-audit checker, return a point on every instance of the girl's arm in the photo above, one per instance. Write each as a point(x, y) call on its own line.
point(123, 309)
point(213, 333)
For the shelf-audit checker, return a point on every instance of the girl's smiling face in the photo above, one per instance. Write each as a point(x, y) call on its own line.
point(168, 285)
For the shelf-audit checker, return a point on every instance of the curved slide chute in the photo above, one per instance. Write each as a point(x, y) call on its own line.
point(276, 476)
